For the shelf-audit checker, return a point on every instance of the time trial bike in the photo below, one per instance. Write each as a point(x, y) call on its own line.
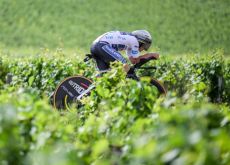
point(74, 88)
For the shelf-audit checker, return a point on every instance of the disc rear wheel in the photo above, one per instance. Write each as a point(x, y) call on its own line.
point(68, 90)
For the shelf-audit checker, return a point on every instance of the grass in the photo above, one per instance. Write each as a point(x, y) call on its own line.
point(177, 26)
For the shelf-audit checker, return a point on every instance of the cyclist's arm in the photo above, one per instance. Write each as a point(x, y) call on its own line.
point(134, 60)
point(126, 67)
point(149, 55)
point(133, 51)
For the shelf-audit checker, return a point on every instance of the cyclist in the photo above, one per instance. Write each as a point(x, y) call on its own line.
point(106, 48)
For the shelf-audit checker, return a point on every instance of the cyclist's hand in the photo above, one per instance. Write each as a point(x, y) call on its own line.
point(126, 67)
point(150, 55)
point(154, 55)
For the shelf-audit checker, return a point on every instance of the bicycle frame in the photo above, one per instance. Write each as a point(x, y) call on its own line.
point(131, 73)
point(71, 89)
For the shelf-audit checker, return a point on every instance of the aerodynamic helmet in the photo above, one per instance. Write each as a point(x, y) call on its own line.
point(144, 38)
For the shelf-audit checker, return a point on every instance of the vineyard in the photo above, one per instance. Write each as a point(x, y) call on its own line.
point(122, 121)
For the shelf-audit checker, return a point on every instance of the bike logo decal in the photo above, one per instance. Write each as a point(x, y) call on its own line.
point(68, 91)
point(84, 85)
point(77, 87)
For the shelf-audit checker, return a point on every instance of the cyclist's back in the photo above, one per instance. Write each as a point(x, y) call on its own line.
point(106, 48)
point(120, 41)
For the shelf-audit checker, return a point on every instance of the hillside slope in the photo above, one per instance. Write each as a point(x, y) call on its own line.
point(177, 26)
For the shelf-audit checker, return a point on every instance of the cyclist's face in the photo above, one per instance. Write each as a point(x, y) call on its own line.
point(141, 49)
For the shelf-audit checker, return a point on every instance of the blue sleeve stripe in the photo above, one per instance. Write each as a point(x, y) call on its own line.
point(112, 52)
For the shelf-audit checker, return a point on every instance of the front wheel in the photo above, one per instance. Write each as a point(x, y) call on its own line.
point(160, 87)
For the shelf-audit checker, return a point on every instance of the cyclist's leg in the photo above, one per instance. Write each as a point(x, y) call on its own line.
point(102, 66)
point(104, 54)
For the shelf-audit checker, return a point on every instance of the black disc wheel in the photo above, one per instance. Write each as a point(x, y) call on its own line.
point(68, 91)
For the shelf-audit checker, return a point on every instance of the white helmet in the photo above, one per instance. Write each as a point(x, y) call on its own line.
point(143, 37)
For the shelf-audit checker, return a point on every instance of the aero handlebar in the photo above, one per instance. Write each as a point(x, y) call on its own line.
point(143, 61)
